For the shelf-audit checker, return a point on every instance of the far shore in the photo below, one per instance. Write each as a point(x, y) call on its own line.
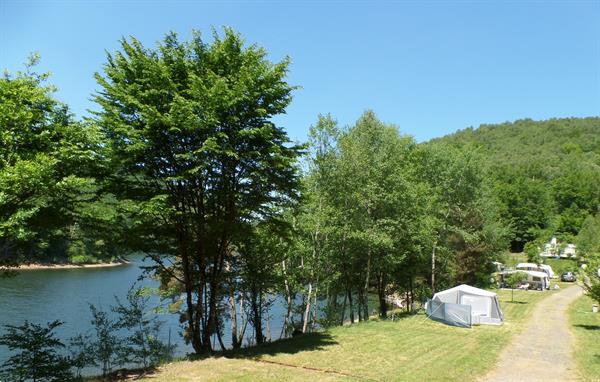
point(36, 266)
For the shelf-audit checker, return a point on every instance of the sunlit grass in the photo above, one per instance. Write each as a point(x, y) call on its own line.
point(586, 328)
point(410, 349)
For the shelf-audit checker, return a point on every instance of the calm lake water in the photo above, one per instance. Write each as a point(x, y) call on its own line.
point(42, 296)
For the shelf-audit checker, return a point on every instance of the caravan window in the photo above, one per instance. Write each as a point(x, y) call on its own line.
point(536, 278)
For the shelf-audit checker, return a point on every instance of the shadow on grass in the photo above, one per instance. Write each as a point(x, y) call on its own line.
point(515, 302)
point(588, 327)
point(122, 375)
point(304, 342)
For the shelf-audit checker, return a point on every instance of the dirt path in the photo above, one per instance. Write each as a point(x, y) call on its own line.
point(542, 352)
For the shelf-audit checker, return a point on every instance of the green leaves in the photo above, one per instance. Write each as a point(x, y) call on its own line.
point(199, 160)
point(48, 170)
point(37, 355)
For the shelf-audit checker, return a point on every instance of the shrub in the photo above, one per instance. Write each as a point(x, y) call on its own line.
point(37, 356)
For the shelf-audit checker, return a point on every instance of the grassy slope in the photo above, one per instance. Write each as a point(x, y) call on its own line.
point(410, 349)
point(586, 328)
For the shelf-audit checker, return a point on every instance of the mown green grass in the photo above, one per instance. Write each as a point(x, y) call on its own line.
point(410, 349)
point(586, 328)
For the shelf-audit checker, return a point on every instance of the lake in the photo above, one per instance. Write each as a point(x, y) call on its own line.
point(42, 296)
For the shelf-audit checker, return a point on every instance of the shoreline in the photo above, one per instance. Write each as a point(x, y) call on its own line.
point(39, 266)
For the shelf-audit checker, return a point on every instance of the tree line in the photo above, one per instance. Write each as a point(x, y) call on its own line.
point(182, 161)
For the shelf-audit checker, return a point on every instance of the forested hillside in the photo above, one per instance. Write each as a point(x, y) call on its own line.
point(546, 174)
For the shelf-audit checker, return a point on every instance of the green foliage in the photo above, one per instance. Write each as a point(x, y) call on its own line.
point(593, 291)
point(48, 163)
point(198, 158)
point(38, 355)
point(532, 250)
point(105, 344)
point(142, 345)
point(469, 231)
point(546, 173)
point(376, 209)
point(588, 239)
point(513, 280)
point(82, 353)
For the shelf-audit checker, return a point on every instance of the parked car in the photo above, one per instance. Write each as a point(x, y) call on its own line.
point(568, 276)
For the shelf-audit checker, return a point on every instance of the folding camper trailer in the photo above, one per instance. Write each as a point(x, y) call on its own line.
point(465, 305)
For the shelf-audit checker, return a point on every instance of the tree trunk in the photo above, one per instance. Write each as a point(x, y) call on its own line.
point(256, 311)
point(359, 304)
point(244, 324)
point(343, 315)
point(314, 304)
point(433, 268)
point(351, 306)
point(381, 294)
point(307, 309)
point(412, 293)
point(234, 322)
point(366, 292)
point(288, 295)
point(192, 318)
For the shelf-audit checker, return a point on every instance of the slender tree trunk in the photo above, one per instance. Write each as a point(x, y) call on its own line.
point(268, 328)
point(359, 304)
point(412, 294)
point(381, 294)
point(288, 295)
point(256, 311)
point(244, 324)
point(307, 309)
point(234, 321)
point(351, 306)
point(433, 268)
point(192, 318)
point(219, 337)
point(343, 315)
point(314, 304)
point(366, 292)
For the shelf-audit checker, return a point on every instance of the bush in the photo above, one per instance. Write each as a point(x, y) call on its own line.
point(105, 344)
point(37, 356)
point(142, 345)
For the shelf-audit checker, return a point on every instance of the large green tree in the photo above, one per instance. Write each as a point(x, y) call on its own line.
point(48, 163)
point(200, 159)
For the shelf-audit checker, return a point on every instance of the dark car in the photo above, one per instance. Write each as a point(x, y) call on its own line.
point(568, 276)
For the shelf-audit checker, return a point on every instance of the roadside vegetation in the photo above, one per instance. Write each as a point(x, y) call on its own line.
point(586, 327)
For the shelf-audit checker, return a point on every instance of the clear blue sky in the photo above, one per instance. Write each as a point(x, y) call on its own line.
point(429, 67)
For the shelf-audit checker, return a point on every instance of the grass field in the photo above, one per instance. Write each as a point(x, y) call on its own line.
point(586, 328)
point(409, 349)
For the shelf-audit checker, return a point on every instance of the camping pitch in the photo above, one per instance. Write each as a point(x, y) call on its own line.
point(465, 306)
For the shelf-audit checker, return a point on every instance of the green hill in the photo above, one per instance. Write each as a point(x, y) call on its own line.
point(545, 174)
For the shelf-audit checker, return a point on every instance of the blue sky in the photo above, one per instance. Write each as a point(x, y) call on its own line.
point(429, 67)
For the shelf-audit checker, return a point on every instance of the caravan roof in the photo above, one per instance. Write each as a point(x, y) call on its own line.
point(531, 273)
point(536, 273)
point(531, 265)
